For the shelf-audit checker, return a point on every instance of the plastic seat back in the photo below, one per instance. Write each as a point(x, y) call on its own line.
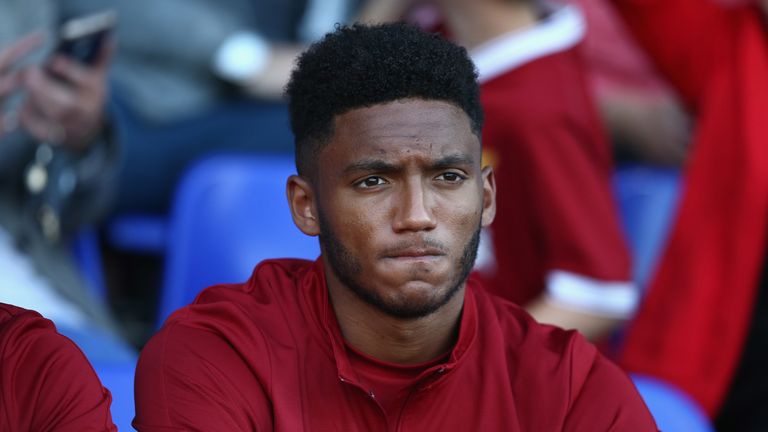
point(647, 198)
point(673, 410)
point(230, 212)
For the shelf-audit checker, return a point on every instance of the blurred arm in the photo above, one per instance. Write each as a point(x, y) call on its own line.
point(381, 11)
point(65, 100)
point(267, 66)
point(10, 79)
point(655, 129)
point(685, 38)
point(592, 326)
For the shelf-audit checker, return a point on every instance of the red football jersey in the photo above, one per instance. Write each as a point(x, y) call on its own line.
point(46, 383)
point(269, 355)
point(557, 227)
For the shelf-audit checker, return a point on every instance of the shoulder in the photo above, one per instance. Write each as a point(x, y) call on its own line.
point(562, 367)
point(540, 92)
point(528, 338)
point(18, 325)
point(562, 357)
point(274, 286)
point(45, 377)
point(217, 354)
point(270, 278)
point(26, 339)
point(244, 319)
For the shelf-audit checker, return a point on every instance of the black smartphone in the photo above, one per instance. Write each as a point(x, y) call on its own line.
point(82, 38)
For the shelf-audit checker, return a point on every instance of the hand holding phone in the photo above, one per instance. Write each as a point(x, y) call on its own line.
point(65, 99)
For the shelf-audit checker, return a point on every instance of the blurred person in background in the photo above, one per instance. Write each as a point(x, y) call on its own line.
point(643, 115)
point(202, 76)
point(704, 323)
point(57, 162)
point(46, 383)
point(646, 122)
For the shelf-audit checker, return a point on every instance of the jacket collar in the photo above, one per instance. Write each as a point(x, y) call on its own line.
point(325, 319)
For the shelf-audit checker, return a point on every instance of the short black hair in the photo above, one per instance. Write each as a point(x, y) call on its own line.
point(364, 65)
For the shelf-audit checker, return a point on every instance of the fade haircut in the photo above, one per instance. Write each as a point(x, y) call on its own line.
point(364, 65)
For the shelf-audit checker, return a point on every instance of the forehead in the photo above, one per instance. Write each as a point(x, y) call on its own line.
point(400, 128)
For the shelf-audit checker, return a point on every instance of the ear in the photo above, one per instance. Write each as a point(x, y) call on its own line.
point(489, 196)
point(301, 200)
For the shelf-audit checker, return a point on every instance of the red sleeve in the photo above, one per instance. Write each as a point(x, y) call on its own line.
point(603, 397)
point(191, 379)
point(46, 383)
point(570, 192)
point(687, 39)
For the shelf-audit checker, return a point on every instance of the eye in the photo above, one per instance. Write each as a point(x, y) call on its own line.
point(370, 182)
point(451, 177)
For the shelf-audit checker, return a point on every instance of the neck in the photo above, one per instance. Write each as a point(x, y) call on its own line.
point(392, 339)
point(473, 23)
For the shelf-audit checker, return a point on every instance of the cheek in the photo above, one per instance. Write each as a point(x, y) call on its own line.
point(353, 225)
point(461, 216)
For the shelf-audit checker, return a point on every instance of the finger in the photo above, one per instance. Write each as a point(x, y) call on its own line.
point(34, 122)
point(50, 97)
point(9, 83)
point(18, 49)
point(71, 71)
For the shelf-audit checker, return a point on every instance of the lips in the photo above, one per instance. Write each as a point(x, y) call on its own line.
point(415, 253)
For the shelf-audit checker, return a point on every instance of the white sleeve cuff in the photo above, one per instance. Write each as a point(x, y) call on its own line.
point(598, 297)
point(241, 56)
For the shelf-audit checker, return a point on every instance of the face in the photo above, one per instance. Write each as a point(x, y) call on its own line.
point(399, 199)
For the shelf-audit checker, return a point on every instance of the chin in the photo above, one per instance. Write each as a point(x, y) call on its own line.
point(412, 299)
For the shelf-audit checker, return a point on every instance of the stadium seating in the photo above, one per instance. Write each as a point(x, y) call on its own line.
point(673, 410)
point(647, 200)
point(229, 213)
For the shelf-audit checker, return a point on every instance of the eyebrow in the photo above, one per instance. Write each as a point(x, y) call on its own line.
point(453, 160)
point(378, 165)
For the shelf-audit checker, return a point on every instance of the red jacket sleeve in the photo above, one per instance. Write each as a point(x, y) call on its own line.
point(191, 379)
point(687, 39)
point(46, 383)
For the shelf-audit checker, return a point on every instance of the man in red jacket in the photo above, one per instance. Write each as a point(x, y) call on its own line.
point(384, 331)
point(46, 382)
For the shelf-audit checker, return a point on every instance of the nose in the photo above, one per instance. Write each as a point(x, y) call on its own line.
point(414, 210)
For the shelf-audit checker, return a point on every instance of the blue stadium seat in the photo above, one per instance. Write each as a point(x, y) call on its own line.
point(118, 378)
point(673, 410)
point(229, 213)
point(85, 247)
point(142, 233)
point(647, 198)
